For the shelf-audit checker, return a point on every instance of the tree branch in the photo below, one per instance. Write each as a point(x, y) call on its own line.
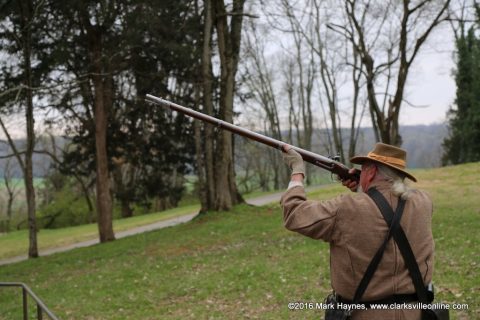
point(232, 14)
point(12, 146)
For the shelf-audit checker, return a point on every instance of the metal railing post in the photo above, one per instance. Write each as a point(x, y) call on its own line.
point(25, 302)
point(39, 312)
point(26, 291)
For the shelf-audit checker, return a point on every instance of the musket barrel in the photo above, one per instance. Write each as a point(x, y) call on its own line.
point(217, 122)
point(316, 159)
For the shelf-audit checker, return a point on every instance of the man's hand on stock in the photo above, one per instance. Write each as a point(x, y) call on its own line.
point(351, 184)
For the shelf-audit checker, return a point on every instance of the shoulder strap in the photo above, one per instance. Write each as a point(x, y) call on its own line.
point(393, 222)
point(403, 244)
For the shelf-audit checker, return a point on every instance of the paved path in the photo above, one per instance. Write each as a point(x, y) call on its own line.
point(118, 235)
point(258, 201)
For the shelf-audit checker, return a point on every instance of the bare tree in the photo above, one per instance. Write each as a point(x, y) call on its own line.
point(255, 171)
point(461, 16)
point(335, 59)
point(258, 79)
point(12, 189)
point(299, 84)
point(22, 33)
point(388, 36)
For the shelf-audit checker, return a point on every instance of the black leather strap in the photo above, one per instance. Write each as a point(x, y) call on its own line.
point(404, 246)
point(393, 222)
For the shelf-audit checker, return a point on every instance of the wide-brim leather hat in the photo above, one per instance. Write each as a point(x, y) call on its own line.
point(388, 155)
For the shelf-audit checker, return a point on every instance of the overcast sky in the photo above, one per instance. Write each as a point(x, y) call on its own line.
point(430, 88)
point(431, 82)
point(430, 85)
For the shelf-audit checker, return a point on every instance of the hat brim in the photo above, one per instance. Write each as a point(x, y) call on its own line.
point(361, 159)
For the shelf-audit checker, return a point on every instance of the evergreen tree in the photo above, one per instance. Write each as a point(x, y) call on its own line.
point(146, 47)
point(463, 143)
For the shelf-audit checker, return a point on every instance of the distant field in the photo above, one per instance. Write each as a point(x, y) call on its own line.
point(37, 182)
point(240, 265)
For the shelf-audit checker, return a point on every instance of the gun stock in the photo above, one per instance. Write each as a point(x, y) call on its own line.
point(326, 163)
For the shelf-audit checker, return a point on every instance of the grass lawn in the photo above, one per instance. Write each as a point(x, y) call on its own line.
point(239, 264)
point(16, 243)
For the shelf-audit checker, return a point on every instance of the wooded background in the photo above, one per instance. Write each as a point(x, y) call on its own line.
point(77, 73)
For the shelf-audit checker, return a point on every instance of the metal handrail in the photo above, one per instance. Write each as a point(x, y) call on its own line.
point(41, 307)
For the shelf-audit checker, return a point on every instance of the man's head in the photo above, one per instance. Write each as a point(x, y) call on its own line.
point(388, 156)
point(384, 162)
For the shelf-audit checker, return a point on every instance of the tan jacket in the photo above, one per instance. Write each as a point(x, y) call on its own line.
point(355, 229)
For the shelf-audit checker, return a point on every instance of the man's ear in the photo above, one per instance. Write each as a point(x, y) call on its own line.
point(372, 172)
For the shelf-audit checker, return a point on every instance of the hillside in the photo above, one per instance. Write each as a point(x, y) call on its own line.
point(239, 264)
point(423, 143)
point(423, 153)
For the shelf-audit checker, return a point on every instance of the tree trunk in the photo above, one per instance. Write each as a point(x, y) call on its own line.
point(229, 47)
point(102, 100)
point(127, 211)
point(29, 188)
point(208, 104)
point(87, 198)
point(355, 124)
point(11, 197)
point(26, 11)
point(199, 154)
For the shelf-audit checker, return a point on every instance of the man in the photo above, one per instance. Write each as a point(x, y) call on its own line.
point(355, 228)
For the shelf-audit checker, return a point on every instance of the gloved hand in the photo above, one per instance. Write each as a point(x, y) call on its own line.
point(351, 184)
point(294, 160)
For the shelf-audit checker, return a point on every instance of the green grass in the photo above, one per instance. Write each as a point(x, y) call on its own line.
point(239, 264)
point(16, 243)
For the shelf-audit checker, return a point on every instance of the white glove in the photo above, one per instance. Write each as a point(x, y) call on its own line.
point(294, 161)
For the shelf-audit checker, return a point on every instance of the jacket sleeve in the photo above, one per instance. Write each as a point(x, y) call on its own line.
point(315, 219)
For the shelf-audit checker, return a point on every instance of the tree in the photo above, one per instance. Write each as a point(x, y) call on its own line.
point(90, 28)
point(305, 29)
point(219, 172)
point(260, 91)
point(123, 58)
point(328, 73)
point(463, 143)
point(387, 37)
point(204, 141)
point(12, 189)
point(166, 65)
point(229, 39)
point(19, 33)
point(56, 177)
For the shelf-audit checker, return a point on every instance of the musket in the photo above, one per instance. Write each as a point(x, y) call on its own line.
point(326, 163)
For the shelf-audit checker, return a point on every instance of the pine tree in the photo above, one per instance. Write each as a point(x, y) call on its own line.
point(146, 51)
point(463, 143)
